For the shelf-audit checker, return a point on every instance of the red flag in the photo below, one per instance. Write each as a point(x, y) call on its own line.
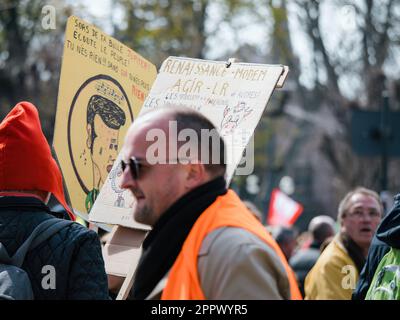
point(283, 210)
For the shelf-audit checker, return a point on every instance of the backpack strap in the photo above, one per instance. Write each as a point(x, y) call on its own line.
point(4, 257)
point(40, 234)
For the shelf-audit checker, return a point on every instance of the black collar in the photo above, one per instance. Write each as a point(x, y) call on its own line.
point(165, 240)
point(355, 252)
point(23, 203)
point(27, 204)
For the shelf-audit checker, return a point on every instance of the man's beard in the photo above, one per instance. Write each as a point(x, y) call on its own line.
point(142, 215)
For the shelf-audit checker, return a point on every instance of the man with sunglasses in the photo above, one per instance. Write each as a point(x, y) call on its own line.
point(204, 243)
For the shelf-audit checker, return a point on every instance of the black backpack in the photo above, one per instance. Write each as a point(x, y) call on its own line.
point(14, 281)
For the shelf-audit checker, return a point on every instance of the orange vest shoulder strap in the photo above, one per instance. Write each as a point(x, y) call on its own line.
point(226, 211)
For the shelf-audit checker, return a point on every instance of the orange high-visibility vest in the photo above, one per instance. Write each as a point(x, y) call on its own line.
point(226, 211)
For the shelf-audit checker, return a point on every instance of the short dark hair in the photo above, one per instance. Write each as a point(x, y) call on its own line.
point(190, 119)
point(283, 234)
point(321, 232)
point(111, 114)
point(321, 227)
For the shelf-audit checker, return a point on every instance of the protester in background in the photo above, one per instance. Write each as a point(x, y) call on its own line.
point(336, 272)
point(28, 175)
point(204, 244)
point(326, 243)
point(387, 237)
point(286, 239)
point(320, 228)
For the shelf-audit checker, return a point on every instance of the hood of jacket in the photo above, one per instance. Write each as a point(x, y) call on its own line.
point(389, 229)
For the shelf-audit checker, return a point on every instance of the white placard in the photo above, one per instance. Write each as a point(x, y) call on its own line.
point(232, 95)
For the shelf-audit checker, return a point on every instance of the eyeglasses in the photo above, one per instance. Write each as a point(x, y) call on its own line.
point(359, 214)
point(134, 166)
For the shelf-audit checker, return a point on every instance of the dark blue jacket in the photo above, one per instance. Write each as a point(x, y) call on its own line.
point(74, 252)
point(303, 261)
point(387, 235)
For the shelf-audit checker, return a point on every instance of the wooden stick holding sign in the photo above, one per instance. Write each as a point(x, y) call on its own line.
point(121, 255)
point(127, 284)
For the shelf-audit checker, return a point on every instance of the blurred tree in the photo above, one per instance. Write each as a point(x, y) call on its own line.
point(158, 29)
point(351, 71)
point(352, 52)
point(353, 46)
point(30, 57)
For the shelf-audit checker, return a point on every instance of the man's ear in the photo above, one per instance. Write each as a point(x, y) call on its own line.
point(89, 132)
point(342, 228)
point(196, 175)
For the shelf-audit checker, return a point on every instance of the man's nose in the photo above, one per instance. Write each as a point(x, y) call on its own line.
point(127, 180)
point(366, 217)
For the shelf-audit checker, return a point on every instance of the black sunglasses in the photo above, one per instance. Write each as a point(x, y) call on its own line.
point(134, 165)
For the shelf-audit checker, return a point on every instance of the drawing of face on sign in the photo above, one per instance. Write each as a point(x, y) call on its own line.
point(99, 118)
point(115, 176)
point(233, 116)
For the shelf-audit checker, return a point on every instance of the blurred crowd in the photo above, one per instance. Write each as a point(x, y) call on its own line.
point(205, 242)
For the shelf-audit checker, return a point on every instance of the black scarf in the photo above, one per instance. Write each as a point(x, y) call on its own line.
point(164, 242)
point(354, 251)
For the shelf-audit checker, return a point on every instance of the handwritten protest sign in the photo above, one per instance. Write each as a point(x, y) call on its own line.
point(103, 85)
point(233, 96)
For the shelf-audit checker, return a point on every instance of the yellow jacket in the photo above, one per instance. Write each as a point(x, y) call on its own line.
point(334, 276)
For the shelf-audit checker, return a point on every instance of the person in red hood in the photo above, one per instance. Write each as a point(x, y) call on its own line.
point(26, 164)
point(28, 175)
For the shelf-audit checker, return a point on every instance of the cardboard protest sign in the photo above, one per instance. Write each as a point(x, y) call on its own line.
point(102, 87)
point(232, 95)
point(124, 246)
point(283, 210)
